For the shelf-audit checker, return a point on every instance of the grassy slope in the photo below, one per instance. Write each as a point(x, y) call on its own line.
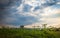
point(28, 33)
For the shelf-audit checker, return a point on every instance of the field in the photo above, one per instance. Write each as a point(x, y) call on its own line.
point(29, 33)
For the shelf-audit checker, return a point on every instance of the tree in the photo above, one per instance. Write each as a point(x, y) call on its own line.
point(21, 26)
point(44, 26)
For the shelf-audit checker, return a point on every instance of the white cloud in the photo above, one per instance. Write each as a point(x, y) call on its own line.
point(58, 3)
point(32, 2)
point(51, 20)
point(31, 13)
point(20, 8)
point(50, 11)
point(47, 12)
point(43, 1)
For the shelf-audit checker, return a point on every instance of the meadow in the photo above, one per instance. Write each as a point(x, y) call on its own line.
point(29, 33)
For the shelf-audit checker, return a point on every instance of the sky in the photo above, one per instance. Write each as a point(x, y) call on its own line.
point(26, 12)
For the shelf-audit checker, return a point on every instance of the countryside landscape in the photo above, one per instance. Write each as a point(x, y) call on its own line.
point(29, 18)
point(22, 32)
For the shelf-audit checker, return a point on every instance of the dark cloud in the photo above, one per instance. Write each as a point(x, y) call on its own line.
point(36, 8)
point(6, 3)
point(49, 3)
point(6, 7)
point(18, 19)
point(26, 8)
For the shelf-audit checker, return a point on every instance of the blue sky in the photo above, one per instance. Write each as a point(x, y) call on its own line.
point(23, 12)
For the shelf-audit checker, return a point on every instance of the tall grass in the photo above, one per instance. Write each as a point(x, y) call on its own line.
point(29, 33)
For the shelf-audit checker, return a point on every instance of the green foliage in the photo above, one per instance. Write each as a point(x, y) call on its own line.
point(28, 33)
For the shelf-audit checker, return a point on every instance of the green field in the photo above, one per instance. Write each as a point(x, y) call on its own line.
point(29, 33)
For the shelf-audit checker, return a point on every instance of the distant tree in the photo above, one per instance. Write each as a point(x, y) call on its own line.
point(21, 26)
point(50, 26)
point(44, 26)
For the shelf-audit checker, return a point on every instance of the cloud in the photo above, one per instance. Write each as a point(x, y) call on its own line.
point(9, 3)
point(51, 20)
point(4, 1)
point(19, 12)
point(27, 8)
point(49, 11)
point(7, 6)
point(51, 15)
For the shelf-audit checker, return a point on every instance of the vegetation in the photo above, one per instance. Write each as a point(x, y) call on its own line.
point(29, 33)
point(22, 26)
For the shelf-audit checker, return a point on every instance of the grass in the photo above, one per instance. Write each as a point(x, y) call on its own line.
point(28, 33)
